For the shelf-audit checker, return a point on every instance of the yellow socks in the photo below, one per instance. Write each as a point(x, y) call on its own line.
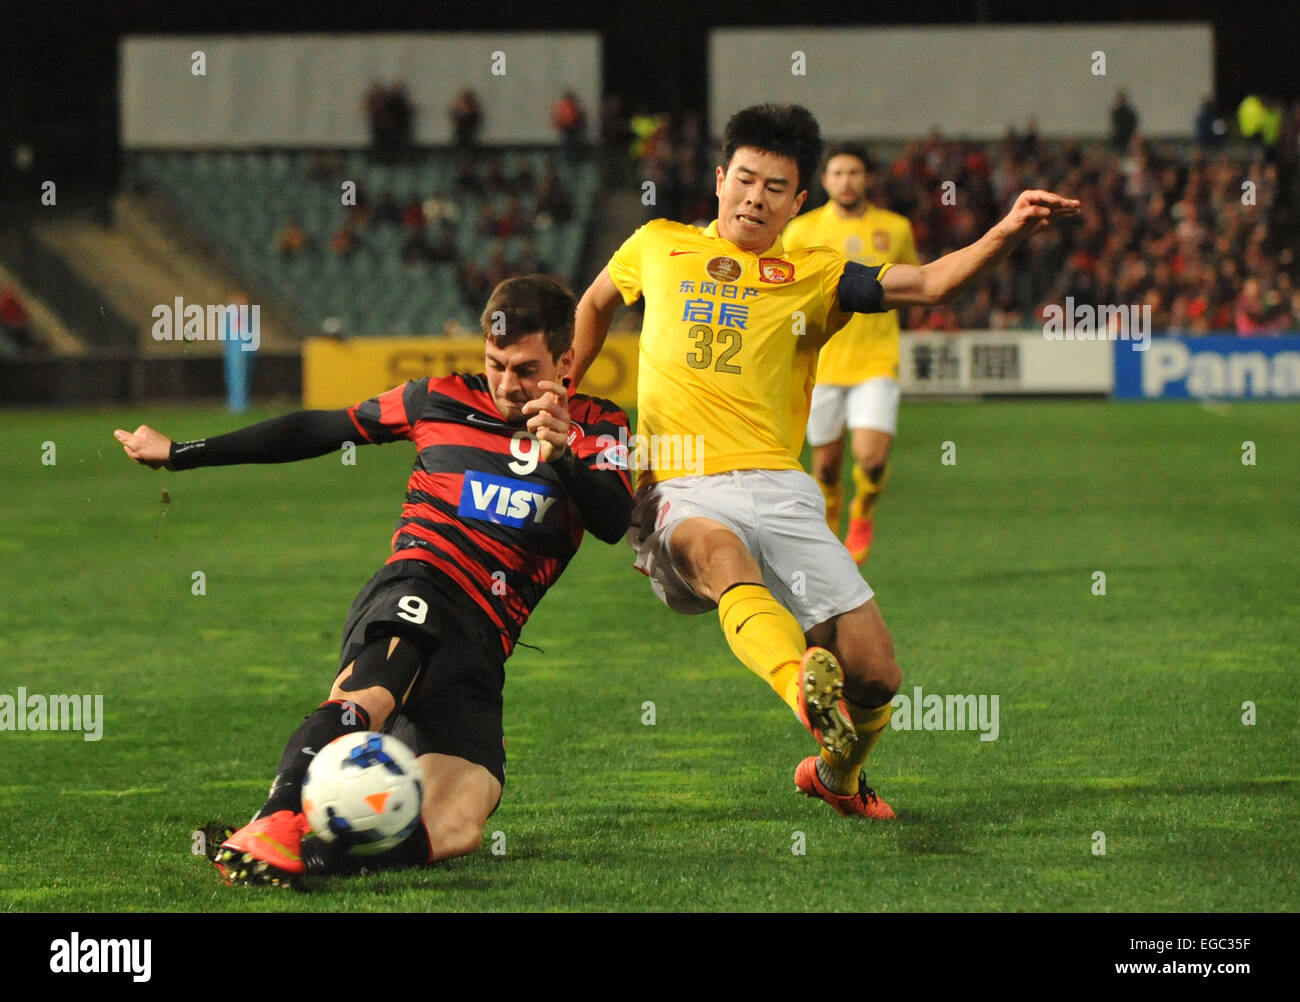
point(834, 495)
point(762, 634)
point(766, 637)
point(865, 492)
point(844, 769)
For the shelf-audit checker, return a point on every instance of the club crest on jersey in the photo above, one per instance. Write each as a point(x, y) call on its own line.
point(775, 271)
point(723, 269)
point(505, 501)
point(880, 240)
point(575, 434)
point(612, 457)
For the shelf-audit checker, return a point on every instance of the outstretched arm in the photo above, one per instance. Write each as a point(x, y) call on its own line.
point(300, 435)
point(942, 280)
point(595, 311)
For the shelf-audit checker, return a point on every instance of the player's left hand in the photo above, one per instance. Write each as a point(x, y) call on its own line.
point(548, 419)
point(146, 446)
point(1035, 210)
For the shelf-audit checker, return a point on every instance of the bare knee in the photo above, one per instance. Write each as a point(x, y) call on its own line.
point(871, 676)
point(871, 452)
point(875, 685)
point(872, 463)
point(450, 836)
point(866, 652)
point(826, 463)
point(711, 557)
point(827, 473)
point(459, 796)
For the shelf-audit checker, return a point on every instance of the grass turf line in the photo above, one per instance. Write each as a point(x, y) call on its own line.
point(1120, 714)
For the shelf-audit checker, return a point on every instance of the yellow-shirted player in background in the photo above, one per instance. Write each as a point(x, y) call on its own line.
point(857, 371)
point(733, 324)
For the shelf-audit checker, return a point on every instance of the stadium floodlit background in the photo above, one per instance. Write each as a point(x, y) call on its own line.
point(1117, 572)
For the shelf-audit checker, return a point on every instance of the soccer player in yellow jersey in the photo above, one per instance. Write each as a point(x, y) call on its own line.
point(733, 324)
point(857, 371)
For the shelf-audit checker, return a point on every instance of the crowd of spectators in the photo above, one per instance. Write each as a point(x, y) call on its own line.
point(568, 116)
point(672, 154)
point(431, 221)
point(1207, 241)
point(506, 206)
point(506, 211)
point(1204, 234)
point(391, 117)
point(1205, 237)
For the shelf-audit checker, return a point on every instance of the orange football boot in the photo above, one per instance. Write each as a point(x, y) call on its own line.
point(866, 803)
point(265, 851)
point(858, 540)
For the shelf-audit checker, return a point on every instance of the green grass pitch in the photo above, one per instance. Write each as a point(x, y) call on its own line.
point(1120, 714)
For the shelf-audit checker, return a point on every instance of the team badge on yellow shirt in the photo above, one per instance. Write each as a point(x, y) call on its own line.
point(775, 271)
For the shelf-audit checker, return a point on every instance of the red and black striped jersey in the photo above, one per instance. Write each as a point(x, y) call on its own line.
point(480, 505)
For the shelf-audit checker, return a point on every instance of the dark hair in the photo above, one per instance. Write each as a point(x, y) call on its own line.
point(788, 130)
point(528, 304)
point(849, 150)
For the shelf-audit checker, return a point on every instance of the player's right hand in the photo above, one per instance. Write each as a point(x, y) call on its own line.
point(549, 419)
point(146, 446)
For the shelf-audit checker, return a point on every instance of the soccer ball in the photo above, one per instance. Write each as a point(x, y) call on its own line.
point(363, 791)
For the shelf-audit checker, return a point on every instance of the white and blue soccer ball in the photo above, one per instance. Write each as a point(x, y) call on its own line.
point(363, 791)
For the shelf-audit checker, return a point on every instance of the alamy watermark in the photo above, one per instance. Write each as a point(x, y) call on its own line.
point(1083, 322)
point(76, 955)
point(684, 453)
point(932, 712)
point(53, 713)
point(234, 322)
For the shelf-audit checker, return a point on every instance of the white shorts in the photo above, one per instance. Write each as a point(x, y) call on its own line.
point(780, 516)
point(873, 404)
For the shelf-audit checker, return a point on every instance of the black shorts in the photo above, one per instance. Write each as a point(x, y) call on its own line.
point(455, 707)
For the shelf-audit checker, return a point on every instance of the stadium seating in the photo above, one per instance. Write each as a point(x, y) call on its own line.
point(241, 200)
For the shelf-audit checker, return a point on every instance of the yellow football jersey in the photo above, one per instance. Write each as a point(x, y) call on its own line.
point(867, 347)
point(728, 346)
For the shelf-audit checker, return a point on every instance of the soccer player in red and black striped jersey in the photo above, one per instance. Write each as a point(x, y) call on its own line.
point(510, 469)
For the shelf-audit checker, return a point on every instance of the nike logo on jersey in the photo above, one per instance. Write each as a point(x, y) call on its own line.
point(674, 253)
point(474, 417)
point(505, 501)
